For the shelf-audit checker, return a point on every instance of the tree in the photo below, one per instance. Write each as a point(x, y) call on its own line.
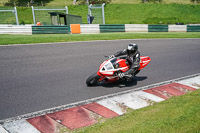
point(25, 2)
point(92, 1)
point(144, 1)
point(195, 1)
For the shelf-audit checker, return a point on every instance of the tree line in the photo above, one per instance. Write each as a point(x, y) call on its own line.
point(26, 2)
point(75, 2)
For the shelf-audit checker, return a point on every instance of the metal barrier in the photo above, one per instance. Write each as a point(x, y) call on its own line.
point(90, 29)
point(16, 29)
point(157, 28)
point(112, 28)
point(177, 28)
point(193, 28)
point(51, 29)
point(136, 27)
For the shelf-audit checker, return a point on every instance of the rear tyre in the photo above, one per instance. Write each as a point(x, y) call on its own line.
point(93, 80)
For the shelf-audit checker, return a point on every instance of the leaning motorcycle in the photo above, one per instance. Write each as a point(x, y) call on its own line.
point(110, 69)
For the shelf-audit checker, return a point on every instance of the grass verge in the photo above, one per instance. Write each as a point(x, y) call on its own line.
point(46, 38)
point(151, 13)
point(176, 115)
point(119, 14)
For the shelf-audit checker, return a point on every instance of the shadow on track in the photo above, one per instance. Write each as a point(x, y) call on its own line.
point(124, 83)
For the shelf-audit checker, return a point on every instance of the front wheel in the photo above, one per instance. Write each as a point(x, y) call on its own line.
point(93, 80)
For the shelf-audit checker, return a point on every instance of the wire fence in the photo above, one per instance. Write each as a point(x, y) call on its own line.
point(97, 11)
point(42, 14)
point(8, 15)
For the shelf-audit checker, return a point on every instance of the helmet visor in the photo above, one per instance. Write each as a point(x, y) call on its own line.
point(131, 52)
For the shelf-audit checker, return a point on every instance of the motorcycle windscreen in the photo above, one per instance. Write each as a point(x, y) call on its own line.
point(108, 66)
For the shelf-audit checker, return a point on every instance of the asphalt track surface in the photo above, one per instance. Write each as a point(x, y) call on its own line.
point(38, 77)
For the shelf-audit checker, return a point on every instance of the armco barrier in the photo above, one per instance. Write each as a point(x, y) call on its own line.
point(96, 28)
point(16, 29)
point(193, 28)
point(177, 28)
point(112, 28)
point(136, 28)
point(157, 28)
point(90, 29)
point(51, 29)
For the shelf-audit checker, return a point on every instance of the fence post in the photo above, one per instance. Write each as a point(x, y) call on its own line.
point(17, 21)
point(103, 13)
point(33, 15)
point(89, 10)
point(66, 9)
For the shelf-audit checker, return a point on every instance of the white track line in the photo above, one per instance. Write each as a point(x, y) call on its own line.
point(51, 43)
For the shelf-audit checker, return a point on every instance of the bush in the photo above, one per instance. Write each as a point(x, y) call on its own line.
point(82, 2)
point(154, 1)
point(195, 1)
point(26, 3)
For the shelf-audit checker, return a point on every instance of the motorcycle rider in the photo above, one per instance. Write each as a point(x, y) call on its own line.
point(133, 59)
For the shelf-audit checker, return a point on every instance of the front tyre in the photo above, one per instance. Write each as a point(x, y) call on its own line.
point(93, 80)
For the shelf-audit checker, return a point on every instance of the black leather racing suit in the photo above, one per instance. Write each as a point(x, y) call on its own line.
point(133, 60)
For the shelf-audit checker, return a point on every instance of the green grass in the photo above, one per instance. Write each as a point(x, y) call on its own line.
point(60, 3)
point(25, 15)
point(176, 115)
point(44, 38)
point(152, 14)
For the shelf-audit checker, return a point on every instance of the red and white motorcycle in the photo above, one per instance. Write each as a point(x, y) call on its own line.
point(111, 68)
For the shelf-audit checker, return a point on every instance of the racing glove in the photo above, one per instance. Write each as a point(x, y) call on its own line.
point(111, 56)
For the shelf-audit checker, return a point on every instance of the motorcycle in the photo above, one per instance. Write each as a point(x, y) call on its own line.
point(110, 69)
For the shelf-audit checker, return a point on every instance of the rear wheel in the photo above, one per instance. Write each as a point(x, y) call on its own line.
point(93, 80)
